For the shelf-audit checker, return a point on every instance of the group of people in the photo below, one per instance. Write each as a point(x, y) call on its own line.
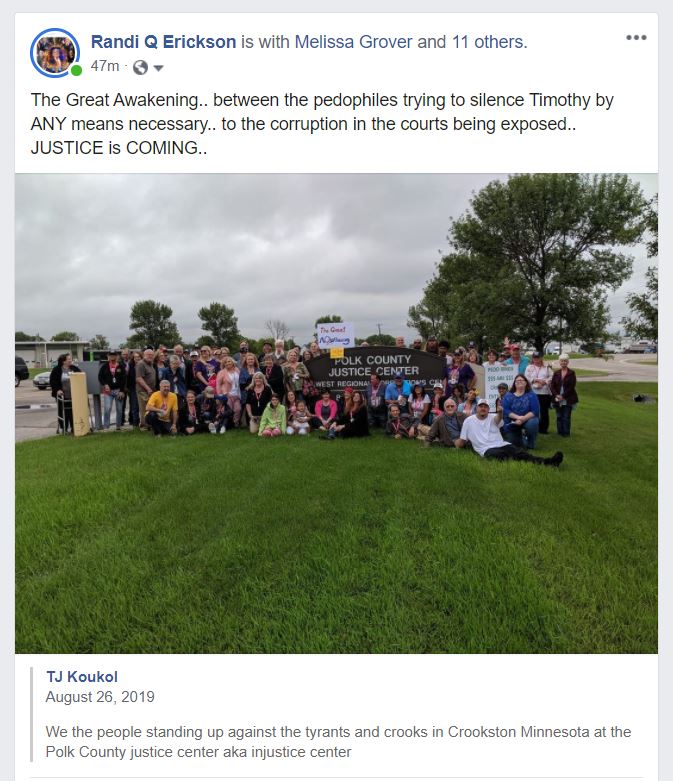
point(273, 395)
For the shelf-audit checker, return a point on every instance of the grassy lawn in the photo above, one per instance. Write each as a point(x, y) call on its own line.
point(590, 372)
point(34, 372)
point(572, 356)
point(129, 544)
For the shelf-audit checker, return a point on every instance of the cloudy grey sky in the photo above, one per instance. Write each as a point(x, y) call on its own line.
point(288, 247)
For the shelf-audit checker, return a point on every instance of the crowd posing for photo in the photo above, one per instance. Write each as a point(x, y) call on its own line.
point(273, 394)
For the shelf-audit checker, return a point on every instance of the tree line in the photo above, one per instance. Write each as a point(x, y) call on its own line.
point(536, 255)
point(532, 258)
point(153, 325)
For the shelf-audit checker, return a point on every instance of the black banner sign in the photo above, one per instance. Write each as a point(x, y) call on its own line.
point(356, 366)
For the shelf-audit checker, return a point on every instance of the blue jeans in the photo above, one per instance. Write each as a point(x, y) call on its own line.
point(108, 400)
point(563, 414)
point(160, 427)
point(134, 409)
point(523, 436)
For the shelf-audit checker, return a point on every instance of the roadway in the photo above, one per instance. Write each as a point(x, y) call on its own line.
point(620, 368)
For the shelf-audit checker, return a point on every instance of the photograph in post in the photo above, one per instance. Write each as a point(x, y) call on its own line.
point(395, 413)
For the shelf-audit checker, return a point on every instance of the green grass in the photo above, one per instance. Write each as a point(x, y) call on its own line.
point(572, 356)
point(129, 544)
point(34, 372)
point(590, 373)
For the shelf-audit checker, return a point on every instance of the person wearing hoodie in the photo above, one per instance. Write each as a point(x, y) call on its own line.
point(273, 422)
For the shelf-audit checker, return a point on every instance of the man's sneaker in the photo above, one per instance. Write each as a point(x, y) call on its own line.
point(211, 428)
point(555, 460)
point(223, 430)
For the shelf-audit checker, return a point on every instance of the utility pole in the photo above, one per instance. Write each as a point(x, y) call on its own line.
point(379, 327)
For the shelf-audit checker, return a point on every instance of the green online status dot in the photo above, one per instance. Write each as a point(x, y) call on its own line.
point(76, 70)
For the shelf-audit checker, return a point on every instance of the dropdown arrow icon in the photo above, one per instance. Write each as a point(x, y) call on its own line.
point(158, 67)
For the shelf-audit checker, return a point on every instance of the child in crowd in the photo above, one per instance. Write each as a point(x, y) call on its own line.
point(290, 403)
point(437, 401)
point(215, 411)
point(300, 420)
point(273, 422)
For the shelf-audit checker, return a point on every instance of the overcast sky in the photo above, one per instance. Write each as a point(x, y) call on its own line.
point(288, 247)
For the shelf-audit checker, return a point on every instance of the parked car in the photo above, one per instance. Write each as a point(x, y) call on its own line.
point(21, 371)
point(41, 380)
point(639, 347)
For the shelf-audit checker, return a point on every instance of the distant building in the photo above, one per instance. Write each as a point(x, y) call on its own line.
point(40, 355)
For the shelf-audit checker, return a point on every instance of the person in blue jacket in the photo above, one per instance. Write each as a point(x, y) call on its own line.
point(521, 414)
point(398, 392)
point(521, 362)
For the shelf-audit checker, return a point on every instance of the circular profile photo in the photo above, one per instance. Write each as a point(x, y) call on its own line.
point(53, 52)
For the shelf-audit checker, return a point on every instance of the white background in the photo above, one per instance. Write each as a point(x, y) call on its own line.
point(611, 65)
point(359, 691)
point(608, 153)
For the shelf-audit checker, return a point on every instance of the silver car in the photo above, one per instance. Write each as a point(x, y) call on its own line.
point(41, 380)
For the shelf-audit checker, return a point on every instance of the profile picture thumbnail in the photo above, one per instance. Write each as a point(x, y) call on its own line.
point(53, 52)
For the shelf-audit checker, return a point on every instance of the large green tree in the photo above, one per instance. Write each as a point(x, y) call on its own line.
point(533, 258)
point(151, 321)
point(22, 336)
point(329, 319)
point(65, 336)
point(99, 342)
point(326, 319)
point(643, 322)
point(220, 323)
point(378, 340)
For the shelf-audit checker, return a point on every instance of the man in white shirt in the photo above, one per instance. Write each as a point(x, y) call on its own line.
point(482, 431)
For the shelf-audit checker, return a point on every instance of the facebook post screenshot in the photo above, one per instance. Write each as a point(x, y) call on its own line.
point(336, 396)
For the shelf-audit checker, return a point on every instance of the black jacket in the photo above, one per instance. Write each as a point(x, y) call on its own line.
point(55, 379)
point(116, 381)
point(257, 408)
point(131, 377)
point(276, 380)
point(188, 371)
point(358, 427)
point(569, 392)
point(185, 421)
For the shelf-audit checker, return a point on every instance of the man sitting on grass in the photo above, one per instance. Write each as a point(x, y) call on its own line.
point(399, 426)
point(446, 428)
point(161, 412)
point(482, 431)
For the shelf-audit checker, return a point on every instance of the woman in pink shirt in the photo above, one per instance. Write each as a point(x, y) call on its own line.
point(227, 385)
